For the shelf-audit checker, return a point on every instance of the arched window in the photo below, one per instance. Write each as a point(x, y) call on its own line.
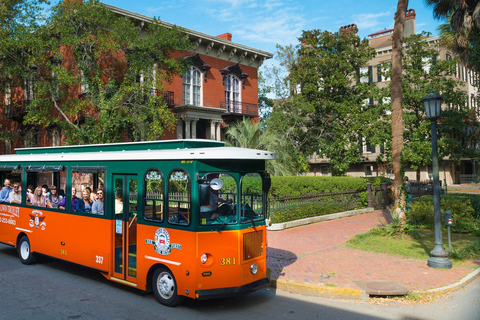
point(178, 197)
point(153, 195)
point(232, 94)
point(192, 87)
point(56, 137)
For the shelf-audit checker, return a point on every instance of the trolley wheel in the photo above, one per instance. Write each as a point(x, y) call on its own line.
point(24, 252)
point(165, 287)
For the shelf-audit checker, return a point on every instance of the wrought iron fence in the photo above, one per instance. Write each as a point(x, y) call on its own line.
point(347, 199)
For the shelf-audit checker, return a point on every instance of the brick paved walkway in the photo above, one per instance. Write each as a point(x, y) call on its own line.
point(314, 255)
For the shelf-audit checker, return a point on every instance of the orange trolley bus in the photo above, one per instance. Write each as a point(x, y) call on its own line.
point(184, 218)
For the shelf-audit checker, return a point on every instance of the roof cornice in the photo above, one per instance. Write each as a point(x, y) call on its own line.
point(206, 44)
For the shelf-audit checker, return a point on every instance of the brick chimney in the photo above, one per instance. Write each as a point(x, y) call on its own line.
point(226, 36)
point(349, 28)
point(409, 28)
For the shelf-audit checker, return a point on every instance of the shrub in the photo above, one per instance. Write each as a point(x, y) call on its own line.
point(465, 216)
point(306, 211)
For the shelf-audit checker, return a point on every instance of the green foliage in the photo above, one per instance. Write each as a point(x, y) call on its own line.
point(471, 251)
point(322, 105)
point(298, 185)
point(254, 135)
point(92, 75)
point(306, 211)
point(419, 74)
point(464, 208)
point(252, 184)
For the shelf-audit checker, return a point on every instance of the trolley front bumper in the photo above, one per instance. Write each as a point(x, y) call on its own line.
point(232, 291)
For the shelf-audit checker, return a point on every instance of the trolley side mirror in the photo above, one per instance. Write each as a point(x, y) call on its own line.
point(448, 218)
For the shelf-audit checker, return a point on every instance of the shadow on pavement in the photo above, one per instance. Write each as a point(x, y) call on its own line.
point(277, 259)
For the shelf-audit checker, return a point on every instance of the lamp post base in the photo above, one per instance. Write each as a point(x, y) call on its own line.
point(439, 262)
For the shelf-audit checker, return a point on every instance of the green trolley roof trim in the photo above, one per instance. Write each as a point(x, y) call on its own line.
point(126, 146)
point(192, 149)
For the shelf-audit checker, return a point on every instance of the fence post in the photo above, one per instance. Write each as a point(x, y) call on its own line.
point(369, 189)
point(386, 201)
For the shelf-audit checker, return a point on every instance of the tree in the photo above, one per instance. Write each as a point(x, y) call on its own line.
point(397, 113)
point(253, 135)
point(421, 71)
point(461, 33)
point(330, 106)
point(91, 74)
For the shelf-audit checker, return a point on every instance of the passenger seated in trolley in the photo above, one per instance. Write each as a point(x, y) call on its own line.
point(16, 195)
point(38, 198)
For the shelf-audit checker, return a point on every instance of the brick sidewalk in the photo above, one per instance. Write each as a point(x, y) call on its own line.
point(314, 255)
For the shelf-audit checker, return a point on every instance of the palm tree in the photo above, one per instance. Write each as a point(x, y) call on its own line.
point(253, 135)
point(460, 33)
point(397, 96)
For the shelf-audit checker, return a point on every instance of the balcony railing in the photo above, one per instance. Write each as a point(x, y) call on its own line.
point(17, 110)
point(239, 108)
point(168, 97)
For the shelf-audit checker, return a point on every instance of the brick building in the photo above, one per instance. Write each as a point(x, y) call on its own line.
point(381, 42)
point(221, 86)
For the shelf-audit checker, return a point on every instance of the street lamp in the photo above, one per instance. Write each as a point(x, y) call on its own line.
point(439, 257)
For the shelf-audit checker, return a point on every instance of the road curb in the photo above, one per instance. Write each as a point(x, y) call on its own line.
point(457, 285)
point(319, 290)
point(305, 221)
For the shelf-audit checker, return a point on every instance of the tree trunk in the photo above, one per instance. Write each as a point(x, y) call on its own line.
point(397, 112)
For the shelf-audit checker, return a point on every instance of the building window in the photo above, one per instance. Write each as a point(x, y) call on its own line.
point(8, 147)
point(232, 94)
point(368, 170)
point(381, 72)
point(426, 64)
point(56, 138)
point(388, 102)
point(366, 74)
point(324, 170)
point(31, 139)
point(29, 90)
point(192, 87)
point(367, 147)
point(8, 95)
point(84, 84)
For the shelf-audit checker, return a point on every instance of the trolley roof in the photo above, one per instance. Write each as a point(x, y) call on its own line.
point(192, 149)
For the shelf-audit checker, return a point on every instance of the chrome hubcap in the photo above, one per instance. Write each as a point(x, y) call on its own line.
point(166, 285)
point(25, 250)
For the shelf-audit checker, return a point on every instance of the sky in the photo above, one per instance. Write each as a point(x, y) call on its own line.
point(264, 24)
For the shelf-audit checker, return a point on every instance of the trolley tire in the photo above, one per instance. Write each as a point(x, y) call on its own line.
point(165, 287)
point(24, 251)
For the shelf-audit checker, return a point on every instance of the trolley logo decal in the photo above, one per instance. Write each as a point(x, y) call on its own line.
point(9, 215)
point(162, 243)
point(36, 220)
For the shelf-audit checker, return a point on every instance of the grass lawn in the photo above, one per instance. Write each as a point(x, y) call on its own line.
point(417, 247)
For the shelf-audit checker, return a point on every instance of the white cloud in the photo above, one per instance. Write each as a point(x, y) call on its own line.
point(372, 20)
point(267, 22)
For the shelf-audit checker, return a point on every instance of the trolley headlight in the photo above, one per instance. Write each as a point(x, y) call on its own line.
point(254, 268)
point(204, 258)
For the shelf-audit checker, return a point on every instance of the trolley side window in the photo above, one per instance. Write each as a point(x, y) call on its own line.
point(11, 175)
point(153, 200)
point(46, 186)
point(178, 189)
point(85, 184)
point(217, 198)
point(252, 202)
